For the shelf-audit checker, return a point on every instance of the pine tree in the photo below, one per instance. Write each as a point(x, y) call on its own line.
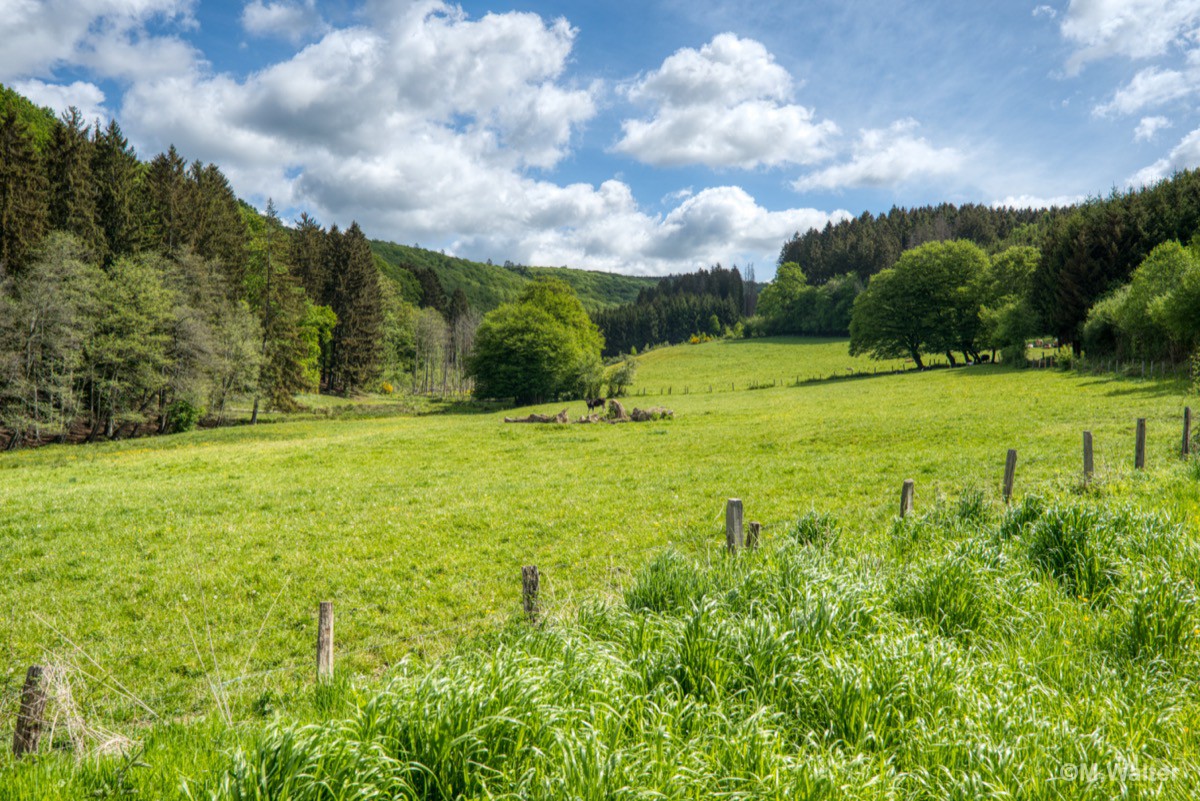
point(24, 199)
point(357, 303)
point(72, 187)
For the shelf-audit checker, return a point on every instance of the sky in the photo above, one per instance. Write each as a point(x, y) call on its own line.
point(644, 137)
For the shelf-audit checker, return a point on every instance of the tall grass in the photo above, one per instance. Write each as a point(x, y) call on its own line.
point(801, 671)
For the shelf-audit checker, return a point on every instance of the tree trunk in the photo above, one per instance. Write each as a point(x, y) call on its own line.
point(254, 414)
point(950, 358)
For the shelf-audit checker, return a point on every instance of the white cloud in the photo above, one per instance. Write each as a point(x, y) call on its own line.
point(1149, 127)
point(428, 126)
point(727, 104)
point(1135, 29)
point(1149, 88)
point(886, 157)
point(1037, 202)
point(1185, 156)
point(105, 35)
point(87, 97)
point(1045, 11)
point(293, 21)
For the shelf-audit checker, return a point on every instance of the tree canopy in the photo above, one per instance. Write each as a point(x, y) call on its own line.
point(540, 348)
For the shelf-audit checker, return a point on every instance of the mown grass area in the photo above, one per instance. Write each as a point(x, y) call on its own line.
point(186, 563)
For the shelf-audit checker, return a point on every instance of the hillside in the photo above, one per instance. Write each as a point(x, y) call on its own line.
point(489, 285)
point(41, 121)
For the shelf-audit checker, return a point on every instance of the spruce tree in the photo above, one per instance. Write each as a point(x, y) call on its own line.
point(170, 198)
point(24, 199)
point(119, 204)
point(308, 256)
point(213, 222)
point(72, 187)
point(357, 303)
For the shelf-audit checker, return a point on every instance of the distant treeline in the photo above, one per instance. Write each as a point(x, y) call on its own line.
point(678, 307)
point(865, 245)
point(138, 294)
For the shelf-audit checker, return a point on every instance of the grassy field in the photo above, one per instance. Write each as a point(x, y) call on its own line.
point(181, 575)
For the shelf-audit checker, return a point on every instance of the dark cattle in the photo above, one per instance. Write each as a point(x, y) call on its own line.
point(984, 358)
point(595, 403)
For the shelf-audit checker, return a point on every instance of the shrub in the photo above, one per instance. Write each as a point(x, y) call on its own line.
point(183, 415)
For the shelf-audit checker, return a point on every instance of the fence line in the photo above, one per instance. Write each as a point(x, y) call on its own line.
point(33, 697)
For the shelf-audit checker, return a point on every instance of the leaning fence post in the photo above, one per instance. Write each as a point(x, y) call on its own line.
point(752, 536)
point(1139, 456)
point(33, 709)
point(734, 538)
point(530, 586)
point(325, 642)
point(906, 497)
point(1088, 466)
point(1187, 430)
point(1010, 474)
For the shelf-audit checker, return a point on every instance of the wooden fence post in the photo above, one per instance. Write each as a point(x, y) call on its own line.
point(325, 642)
point(1187, 431)
point(734, 538)
point(1010, 474)
point(1139, 456)
point(753, 535)
point(906, 497)
point(1088, 464)
point(530, 587)
point(33, 709)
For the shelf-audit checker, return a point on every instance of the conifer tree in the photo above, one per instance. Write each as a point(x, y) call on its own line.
point(357, 303)
point(170, 198)
point(308, 256)
point(71, 185)
point(24, 208)
point(119, 204)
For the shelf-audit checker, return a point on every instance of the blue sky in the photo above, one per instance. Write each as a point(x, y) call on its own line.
point(641, 137)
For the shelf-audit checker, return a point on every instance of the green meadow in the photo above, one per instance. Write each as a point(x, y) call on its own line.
point(178, 578)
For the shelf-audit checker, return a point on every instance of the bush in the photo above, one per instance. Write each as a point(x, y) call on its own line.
point(183, 415)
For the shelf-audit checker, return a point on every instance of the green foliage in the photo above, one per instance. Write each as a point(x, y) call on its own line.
point(24, 199)
point(930, 301)
point(183, 415)
point(486, 286)
point(618, 378)
point(542, 347)
point(789, 305)
point(39, 121)
point(679, 308)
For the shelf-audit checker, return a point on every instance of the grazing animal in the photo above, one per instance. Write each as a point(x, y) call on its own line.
point(594, 403)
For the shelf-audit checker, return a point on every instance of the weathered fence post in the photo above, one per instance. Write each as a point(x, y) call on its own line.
point(1088, 465)
point(753, 535)
point(734, 538)
point(1139, 456)
point(1010, 474)
point(325, 642)
point(906, 497)
point(530, 587)
point(33, 709)
point(1187, 430)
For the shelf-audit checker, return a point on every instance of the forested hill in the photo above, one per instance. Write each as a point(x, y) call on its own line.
point(488, 285)
point(867, 244)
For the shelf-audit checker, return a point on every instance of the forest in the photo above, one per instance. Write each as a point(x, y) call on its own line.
point(144, 296)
